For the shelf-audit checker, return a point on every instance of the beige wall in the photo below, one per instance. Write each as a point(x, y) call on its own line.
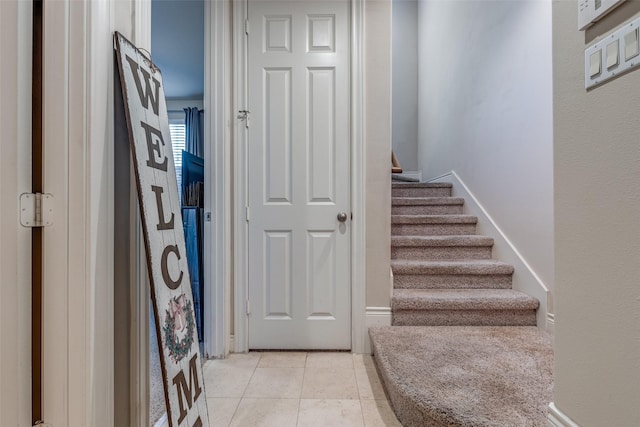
point(597, 239)
point(377, 137)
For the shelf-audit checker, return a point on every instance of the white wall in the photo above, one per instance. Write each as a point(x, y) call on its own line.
point(485, 112)
point(405, 82)
point(597, 216)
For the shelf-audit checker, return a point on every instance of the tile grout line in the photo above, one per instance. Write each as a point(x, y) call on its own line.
point(353, 361)
point(304, 374)
point(245, 389)
point(234, 412)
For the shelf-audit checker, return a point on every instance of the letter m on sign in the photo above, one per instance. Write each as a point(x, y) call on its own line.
point(187, 393)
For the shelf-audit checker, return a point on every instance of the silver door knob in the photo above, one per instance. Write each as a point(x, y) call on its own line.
point(342, 216)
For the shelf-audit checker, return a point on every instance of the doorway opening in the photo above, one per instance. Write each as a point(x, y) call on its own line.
point(177, 48)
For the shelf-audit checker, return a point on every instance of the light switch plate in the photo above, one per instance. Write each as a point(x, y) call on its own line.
point(619, 53)
point(590, 11)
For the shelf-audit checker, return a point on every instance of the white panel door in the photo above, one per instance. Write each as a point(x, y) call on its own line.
point(299, 176)
point(15, 241)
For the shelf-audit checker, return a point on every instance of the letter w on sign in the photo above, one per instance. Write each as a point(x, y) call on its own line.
point(146, 111)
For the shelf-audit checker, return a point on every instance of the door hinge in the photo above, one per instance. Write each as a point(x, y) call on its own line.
point(248, 308)
point(247, 213)
point(246, 26)
point(36, 210)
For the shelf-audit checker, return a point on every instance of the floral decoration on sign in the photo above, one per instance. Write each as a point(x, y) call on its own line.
point(179, 325)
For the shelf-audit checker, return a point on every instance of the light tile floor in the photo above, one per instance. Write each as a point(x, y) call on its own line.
point(281, 389)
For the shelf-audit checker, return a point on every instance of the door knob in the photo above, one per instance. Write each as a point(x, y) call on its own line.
point(342, 216)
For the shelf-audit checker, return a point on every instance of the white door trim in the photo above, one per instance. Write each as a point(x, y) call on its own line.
point(358, 191)
point(15, 240)
point(358, 182)
point(217, 232)
point(141, 289)
point(240, 226)
point(78, 288)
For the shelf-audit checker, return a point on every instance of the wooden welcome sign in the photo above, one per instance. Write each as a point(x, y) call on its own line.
point(150, 140)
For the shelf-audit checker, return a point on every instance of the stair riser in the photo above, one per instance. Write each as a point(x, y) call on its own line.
point(463, 317)
point(432, 229)
point(440, 253)
point(449, 281)
point(427, 210)
point(421, 192)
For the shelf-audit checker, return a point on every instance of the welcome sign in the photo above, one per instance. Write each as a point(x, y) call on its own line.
point(150, 140)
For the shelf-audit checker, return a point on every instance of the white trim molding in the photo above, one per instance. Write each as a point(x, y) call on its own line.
point(359, 334)
point(217, 230)
point(16, 33)
point(525, 279)
point(240, 227)
point(375, 316)
point(557, 418)
point(551, 323)
point(79, 157)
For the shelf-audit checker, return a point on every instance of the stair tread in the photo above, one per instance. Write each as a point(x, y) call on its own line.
point(421, 185)
point(462, 299)
point(439, 241)
point(426, 201)
point(434, 219)
point(485, 266)
point(427, 388)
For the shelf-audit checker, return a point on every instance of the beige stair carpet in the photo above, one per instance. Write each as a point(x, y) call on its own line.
point(464, 349)
point(466, 375)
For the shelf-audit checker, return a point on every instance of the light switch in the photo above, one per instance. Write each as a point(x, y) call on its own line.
point(595, 62)
point(613, 54)
point(631, 44)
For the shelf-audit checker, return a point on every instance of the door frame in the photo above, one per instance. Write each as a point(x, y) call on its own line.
point(78, 290)
point(217, 155)
point(240, 181)
point(15, 248)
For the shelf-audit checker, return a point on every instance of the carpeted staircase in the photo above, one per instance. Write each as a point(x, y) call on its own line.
point(463, 349)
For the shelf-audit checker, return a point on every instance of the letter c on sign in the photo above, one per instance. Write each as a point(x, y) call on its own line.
point(171, 284)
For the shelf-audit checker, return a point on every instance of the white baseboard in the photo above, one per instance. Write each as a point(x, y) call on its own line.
point(525, 279)
point(376, 316)
point(557, 418)
point(551, 323)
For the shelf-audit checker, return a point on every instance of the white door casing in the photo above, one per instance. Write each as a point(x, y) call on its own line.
point(15, 240)
point(299, 175)
point(78, 302)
